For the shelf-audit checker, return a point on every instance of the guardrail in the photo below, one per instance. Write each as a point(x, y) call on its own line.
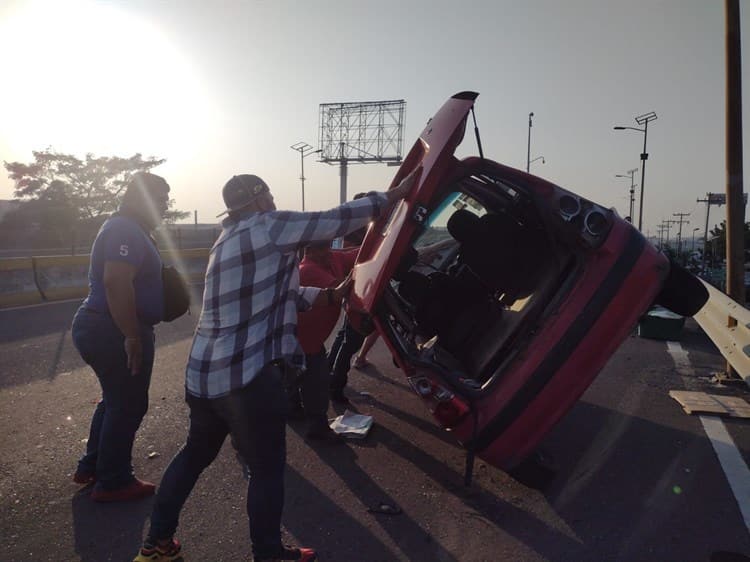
point(733, 341)
point(39, 279)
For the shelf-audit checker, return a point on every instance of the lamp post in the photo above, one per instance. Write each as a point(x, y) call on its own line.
point(528, 146)
point(632, 189)
point(304, 149)
point(694, 230)
point(537, 158)
point(641, 120)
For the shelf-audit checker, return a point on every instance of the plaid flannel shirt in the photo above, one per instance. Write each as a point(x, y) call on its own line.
point(252, 292)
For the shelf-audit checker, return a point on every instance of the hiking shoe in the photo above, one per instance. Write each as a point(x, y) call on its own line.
point(301, 554)
point(169, 552)
point(136, 490)
point(84, 477)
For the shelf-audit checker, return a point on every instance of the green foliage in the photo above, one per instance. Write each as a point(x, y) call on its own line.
point(92, 185)
point(61, 193)
point(719, 238)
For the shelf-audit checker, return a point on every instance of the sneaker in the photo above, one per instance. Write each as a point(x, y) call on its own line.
point(84, 477)
point(301, 554)
point(169, 552)
point(136, 490)
point(338, 397)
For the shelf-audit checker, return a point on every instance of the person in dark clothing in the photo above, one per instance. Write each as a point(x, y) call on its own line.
point(325, 268)
point(348, 341)
point(113, 331)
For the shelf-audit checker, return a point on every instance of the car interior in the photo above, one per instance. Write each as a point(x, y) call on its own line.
point(479, 277)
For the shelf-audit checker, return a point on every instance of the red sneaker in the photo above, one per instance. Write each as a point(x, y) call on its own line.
point(290, 553)
point(136, 490)
point(170, 552)
point(84, 477)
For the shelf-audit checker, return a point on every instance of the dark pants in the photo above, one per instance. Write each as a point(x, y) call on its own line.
point(314, 386)
point(351, 340)
point(124, 397)
point(256, 418)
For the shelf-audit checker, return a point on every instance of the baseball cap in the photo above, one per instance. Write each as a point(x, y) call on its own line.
point(241, 190)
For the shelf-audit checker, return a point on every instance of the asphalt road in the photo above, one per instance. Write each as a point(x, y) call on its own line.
point(635, 479)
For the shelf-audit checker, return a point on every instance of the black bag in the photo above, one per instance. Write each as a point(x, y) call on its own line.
point(176, 293)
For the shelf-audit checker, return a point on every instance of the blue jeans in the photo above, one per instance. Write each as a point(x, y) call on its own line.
point(340, 363)
point(124, 397)
point(256, 417)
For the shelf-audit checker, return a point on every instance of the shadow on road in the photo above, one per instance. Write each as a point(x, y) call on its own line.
point(35, 342)
point(410, 537)
point(100, 530)
point(600, 447)
point(518, 522)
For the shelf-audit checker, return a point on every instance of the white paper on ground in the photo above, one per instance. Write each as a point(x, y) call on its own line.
point(352, 425)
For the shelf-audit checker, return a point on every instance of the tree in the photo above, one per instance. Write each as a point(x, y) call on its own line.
point(718, 240)
point(92, 185)
point(61, 193)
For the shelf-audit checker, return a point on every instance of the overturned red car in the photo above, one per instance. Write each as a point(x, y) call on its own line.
point(500, 294)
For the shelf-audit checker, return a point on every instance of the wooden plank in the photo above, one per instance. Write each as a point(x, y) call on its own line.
point(702, 403)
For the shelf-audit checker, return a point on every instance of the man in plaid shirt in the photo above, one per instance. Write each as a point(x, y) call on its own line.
point(246, 338)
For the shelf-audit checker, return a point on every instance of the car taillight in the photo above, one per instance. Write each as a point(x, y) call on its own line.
point(447, 408)
point(591, 221)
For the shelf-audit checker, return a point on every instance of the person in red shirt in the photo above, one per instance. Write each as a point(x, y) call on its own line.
point(324, 268)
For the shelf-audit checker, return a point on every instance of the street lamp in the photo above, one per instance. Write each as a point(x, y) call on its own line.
point(304, 149)
point(537, 158)
point(528, 146)
point(632, 189)
point(696, 228)
point(641, 120)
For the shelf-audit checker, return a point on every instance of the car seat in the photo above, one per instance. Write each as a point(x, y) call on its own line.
point(505, 255)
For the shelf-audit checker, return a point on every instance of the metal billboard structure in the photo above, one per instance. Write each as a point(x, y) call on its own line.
point(361, 133)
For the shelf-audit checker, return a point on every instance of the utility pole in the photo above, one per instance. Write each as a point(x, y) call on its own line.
point(528, 146)
point(711, 199)
point(661, 228)
point(632, 190)
point(735, 203)
point(667, 224)
point(679, 232)
point(304, 150)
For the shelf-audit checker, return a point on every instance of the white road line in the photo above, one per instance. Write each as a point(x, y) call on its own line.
point(730, 459)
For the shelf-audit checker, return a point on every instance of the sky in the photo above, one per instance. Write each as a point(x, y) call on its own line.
point(222, 88)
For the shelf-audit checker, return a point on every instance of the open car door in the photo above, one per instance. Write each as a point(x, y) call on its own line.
point(389, 236)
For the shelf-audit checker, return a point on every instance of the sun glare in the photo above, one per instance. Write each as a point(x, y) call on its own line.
point(88, 77)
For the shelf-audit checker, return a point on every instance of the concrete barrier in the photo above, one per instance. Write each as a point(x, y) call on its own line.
point(62, 277)
point(17, 284)
point(50, 278)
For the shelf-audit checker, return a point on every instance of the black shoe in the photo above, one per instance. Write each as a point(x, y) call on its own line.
point(324, 436)
point(338, 397)
point(319, 431)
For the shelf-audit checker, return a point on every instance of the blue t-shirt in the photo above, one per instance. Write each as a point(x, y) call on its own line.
point(122, 239)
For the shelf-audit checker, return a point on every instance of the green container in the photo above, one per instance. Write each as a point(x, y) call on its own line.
point(661, 324)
